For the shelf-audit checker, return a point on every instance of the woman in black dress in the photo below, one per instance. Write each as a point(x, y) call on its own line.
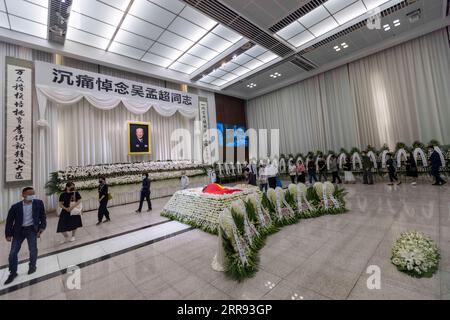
point(411, 169)
point(68, 200)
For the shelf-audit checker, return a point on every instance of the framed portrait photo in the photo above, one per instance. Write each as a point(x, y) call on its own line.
point(139, 139)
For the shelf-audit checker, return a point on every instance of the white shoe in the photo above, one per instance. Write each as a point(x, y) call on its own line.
point(62, 241)
point(72, 239)
point(414, 183)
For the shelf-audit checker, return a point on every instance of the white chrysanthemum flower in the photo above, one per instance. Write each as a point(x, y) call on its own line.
point(318, 187)
point(302, 187)
point(330, 188)
point(293, 189)
point(272, 195)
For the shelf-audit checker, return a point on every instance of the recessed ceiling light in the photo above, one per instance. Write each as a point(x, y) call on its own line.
point(396, 21)
point(396, 24)
point(338, 49)
point(343, 44)
point(387, 28)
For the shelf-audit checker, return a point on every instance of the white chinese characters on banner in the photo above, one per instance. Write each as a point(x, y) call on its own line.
point(66, 86)
point(204, 122)
point(18, 167)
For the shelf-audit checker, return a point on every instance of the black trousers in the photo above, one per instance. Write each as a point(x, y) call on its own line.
point(293, 179)
point(336, 176)
point(272, 182)
point(145, 195)
point(367, 177)
point(393, 176)
point(437, 177)
point(103, 210)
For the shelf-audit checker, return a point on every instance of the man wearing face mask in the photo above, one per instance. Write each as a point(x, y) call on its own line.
point(145, 194)
point(26, 220)
point(103, 199)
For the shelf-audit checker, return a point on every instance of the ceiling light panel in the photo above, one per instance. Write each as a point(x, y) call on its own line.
point(157, 60)
point(371, 4)
point(28, 27)
point(87, 38)
point(97, 10)
point(226, 34)
point(229, 77)
point(323, 27)
point(215, 42)
point(229, 66)
point(133, 40)
point(4, 20)
point(291, 30)
point(255, 51)
point(326, 18)
point(242, 59)
point(2, 6)
point(127, 51)
point(27, 10)
point(165, 51)
point(198, 18)
point(301, 38)
point(240, 71)
point(267, 57)
point(315, 16)
point(208, 79)
point(142, 28)
point(173, 6)
point(181, 67)
point(253, 64)
point(152, 13)
point(192, 60)
point(351, 12)
point(218, 73)
point(176, 41)
point(219, 82)
point(334, 6)
point(122, 5)
point(91, 25)
point(203, 52)
point(187, 29)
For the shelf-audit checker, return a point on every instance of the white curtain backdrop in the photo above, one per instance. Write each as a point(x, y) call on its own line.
point(80, 134)
point(400, 94)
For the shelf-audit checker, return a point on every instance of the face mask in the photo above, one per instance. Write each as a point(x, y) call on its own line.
point(29, 198)
point(72, 189)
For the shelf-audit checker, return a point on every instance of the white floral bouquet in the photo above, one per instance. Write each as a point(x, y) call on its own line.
point(415, 254)
point(86, 178)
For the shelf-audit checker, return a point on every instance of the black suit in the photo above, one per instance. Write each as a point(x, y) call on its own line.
point(139, 145)
point(145, 194)
point(14, 229)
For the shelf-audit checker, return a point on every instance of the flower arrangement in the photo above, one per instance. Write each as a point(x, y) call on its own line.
point(245, 225)
point(86, 178)
point(201, 210)
point(415, 254)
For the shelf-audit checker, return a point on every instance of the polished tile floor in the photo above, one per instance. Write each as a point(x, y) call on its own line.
point(322, 258)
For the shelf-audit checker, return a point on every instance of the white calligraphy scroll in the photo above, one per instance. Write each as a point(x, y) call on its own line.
point(204, 124)
point(19, 116)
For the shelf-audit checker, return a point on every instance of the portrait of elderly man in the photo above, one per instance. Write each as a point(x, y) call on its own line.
point(139, 138)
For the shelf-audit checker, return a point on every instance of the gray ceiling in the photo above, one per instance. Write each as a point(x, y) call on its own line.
point(265, 13)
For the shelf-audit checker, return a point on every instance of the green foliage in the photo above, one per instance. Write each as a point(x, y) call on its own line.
point(354, 150)
point(434, 143)
point(251, 212)
point(238, 221)
point(343, 150)
point(291, 200)
point(234, 266)
point(417, 144)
